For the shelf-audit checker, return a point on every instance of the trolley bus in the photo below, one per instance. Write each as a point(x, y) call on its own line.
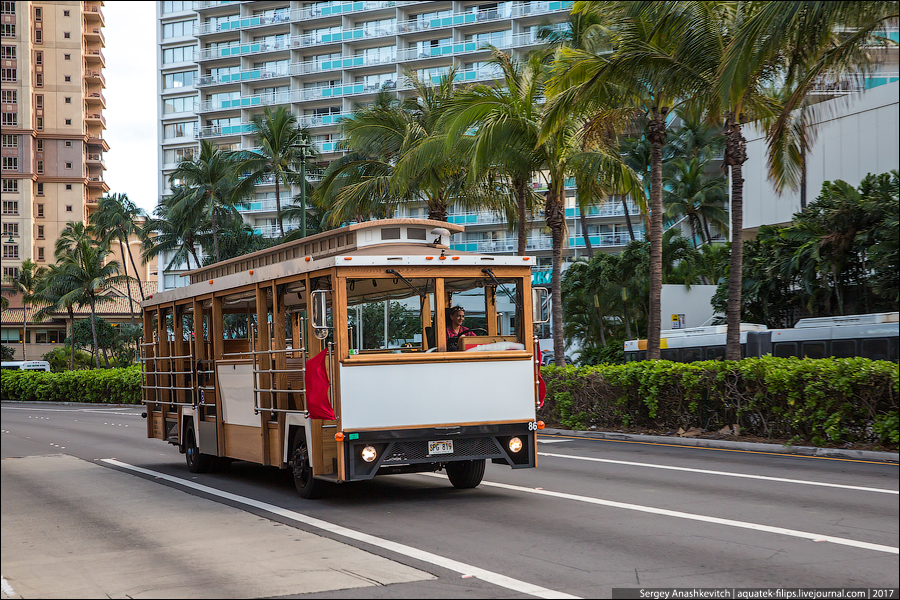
point(330, 356)
point(872, 336)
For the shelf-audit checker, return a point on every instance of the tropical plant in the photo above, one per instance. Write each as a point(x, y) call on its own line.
point(49, 294)
point(118, 218)
point(211, 184)
point(87, 274)
point(278, 139)
point(24, 282)
point(689, 192)
point(174, 228)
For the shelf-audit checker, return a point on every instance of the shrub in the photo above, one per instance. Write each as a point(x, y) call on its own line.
point(7, 353)
point(107, 386)
point(818, 401)
point(59, 359)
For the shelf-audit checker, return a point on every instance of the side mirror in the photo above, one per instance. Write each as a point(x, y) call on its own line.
point(318, 301)
point(540, 305)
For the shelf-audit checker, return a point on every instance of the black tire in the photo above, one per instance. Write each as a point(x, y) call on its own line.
point(466, 474)
point(307, 486)
point(196, 462)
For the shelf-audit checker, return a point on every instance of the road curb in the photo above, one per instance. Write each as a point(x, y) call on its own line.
point(729, 445)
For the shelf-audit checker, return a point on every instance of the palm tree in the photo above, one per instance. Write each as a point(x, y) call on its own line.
point(74, 236)
point(689, 192)
point(175, 227)
point(210, 181)
point(277, 136)
point(86, 274)
point(24, 282)
point(398, 155)
point(645, 74)
point(49, 294)
point(118, 218)
point(507, 121)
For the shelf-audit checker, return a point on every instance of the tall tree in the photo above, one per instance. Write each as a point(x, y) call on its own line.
point(211, 182)
point(174, 228)
point(118, 218)
point(691, 193)
point(87, 273)
point(24, 282)
point(278, 138)
point(49, 294)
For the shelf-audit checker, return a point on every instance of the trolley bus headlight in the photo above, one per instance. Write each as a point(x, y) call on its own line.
point(368, 454)
point(515, 444)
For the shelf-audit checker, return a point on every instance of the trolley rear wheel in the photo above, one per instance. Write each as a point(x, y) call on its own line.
point(307, 485)
point(196, 462)
point(466, 474)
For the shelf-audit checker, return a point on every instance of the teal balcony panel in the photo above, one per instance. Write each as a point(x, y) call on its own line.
point(471, 46)
point(456, 219)
point(435, 23)
point(471, 219)
point(326, 92)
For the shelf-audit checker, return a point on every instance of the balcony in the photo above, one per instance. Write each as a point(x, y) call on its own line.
point(96, 181)
point(240, 76)
point(201, 4)
point(94, 56)
point(213, 131)
point(345, 8)
point(240, 23)
point(95, 118)
point(239, 48)
point(853, 84)
point(96, 98)
point(94, 75)
point(246, 101)
point(97, 139)
point(95, 160)
point(95, 35)
point(93, 13)
point(544, 243)
point(321, 120)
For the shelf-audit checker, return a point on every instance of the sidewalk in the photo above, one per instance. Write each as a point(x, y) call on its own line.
point(848, 453)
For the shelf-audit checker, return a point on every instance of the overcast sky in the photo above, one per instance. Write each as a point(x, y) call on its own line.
point(131, 99)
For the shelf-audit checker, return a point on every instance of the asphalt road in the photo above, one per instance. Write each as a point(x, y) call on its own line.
point(91, 508)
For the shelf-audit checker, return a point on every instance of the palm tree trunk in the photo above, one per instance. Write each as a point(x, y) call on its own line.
point(134, 267)
point(24, 330)
point(215, 232)
point(94, 333)
point(628, 218)
point(278, 204)
point(706, 230)
point(656, 134)
point(627, 322)
point(735, 157)
point(127, 285)
point(72, 338)
point(584, 234)
point(523, 218)
point(556, 220)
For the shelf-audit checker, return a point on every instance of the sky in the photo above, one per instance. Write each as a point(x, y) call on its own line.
point(131, 99)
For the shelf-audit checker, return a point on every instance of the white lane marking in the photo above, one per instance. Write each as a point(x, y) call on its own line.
point(816, 537)
point(724, 473)
point(119, 410)
point(540, 441)
point(447, 563)
point(7, 589)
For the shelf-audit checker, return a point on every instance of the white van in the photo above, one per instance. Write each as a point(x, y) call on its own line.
point(25, 365)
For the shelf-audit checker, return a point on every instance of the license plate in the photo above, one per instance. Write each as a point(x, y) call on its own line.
point(440, 447)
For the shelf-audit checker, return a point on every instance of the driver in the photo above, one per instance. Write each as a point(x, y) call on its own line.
point(455, 328)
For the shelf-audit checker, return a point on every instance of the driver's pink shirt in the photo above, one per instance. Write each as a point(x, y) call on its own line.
point(462, 331)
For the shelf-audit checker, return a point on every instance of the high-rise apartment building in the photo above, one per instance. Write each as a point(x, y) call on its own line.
point(222, 62)
point(52, 115)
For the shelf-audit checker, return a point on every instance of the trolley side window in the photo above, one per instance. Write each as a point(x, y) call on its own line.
point(691, 354)
point(715, 353)
point(814, 350)
point(391, 314)
point(876, 349)
point(843, 348)
point(784, 349)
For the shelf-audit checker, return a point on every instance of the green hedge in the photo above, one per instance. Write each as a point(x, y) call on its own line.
point(108, 386)
point(817, 401)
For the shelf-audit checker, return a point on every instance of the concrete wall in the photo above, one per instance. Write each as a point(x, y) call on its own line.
point(694, 304)
point(857, 135)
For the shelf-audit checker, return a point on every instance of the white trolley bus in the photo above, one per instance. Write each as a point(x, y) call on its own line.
point(330, 356)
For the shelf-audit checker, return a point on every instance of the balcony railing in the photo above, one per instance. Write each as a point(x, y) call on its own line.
point(95, 53)
point(321, 120)
point(96, 117)
point(239, 48)
point(97, 96)
point(248, 75)
point(95, 74)
point(284, 97)
point(212, 131)
point(854, 84)
point(96, 31)
point(535, 244)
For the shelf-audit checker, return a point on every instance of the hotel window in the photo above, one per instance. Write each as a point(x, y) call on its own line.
point(8, 30)
point(8, 8)
point(68, 78)
point(49, 336)
point(10, 141)
point(8, 52)
point(9, 186)
point(38, 58)
point(68, 143)
point(39, 80)
point(67, 35)
point(8, 75)
point(68, 186)
point(178, 54)
point(10, 230)
point(40, 166)
point(10, 119)
point(10, 251)
point(67, 57)
point(39, 101)
point(174, 156)
point(38, 37)
point(179, 79)
point(11, 207)
point(177, 130)
point(68, 121)
point(40, 253)
point(176, 6)
point(68, 165)
point(39, 145)
point(68, 100)
point(40, 213)
point(65, 13)
point(8, 97)
point(39, 123)
point(180, 104)
point(10, 335)
point(68, 208)
point(40, 234)
point(178, 29)
point(14, 273)
point(10, 163)
point(38, 13)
